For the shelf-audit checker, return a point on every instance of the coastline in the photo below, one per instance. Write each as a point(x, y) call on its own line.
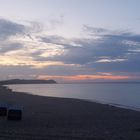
point(131, 106)
point(63, 118)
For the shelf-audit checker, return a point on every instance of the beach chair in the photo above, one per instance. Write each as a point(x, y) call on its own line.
point(14, 113)
point(3, 109)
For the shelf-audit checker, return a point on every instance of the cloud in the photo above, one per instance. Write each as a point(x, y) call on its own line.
point(13, 35)
point(54, 39)
point(10, 47)
point(81, 78)
point(94, 30)
point(9, 28)
point(112, 51)
point(33, 53)
point(17, 41)
point(55, 22)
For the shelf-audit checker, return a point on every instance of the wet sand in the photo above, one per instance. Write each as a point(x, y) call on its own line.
point(49, 118)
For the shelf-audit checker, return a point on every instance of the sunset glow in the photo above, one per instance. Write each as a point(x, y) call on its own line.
point(83, 77)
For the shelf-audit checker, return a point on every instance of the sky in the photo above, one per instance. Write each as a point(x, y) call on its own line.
point(70, 40)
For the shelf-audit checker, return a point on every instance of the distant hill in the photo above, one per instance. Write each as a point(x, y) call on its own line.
point(22, 81)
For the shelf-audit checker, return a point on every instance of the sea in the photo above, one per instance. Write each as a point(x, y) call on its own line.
point(124, 95)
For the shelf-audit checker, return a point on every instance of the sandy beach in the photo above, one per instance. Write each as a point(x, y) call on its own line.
point(47, 118)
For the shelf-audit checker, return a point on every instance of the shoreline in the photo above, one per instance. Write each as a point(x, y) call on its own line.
point(66, 118)
point(88, 100)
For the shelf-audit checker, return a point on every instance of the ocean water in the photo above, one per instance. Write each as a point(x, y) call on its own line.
point(125, 95)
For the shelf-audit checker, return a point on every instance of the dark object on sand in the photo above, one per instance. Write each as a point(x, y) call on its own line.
point(3, 111)
point(14, 114)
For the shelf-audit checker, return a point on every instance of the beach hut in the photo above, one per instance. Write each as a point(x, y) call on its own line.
point(14, 113)
point(3, 109)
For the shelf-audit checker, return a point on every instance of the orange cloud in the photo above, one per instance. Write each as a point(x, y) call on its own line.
point(84, 77)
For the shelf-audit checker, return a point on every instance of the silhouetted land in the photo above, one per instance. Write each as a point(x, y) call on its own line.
point(49, 118)
point(22, 81)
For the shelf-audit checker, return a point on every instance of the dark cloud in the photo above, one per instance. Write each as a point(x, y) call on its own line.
point(10, 47)
point(9, 28)
point(54, 39)
point(13, 29)
point(120, 49)
point(124, 66)
point(93, 30)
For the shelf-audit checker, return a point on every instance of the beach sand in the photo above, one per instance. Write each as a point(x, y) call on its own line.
point(49, 118)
